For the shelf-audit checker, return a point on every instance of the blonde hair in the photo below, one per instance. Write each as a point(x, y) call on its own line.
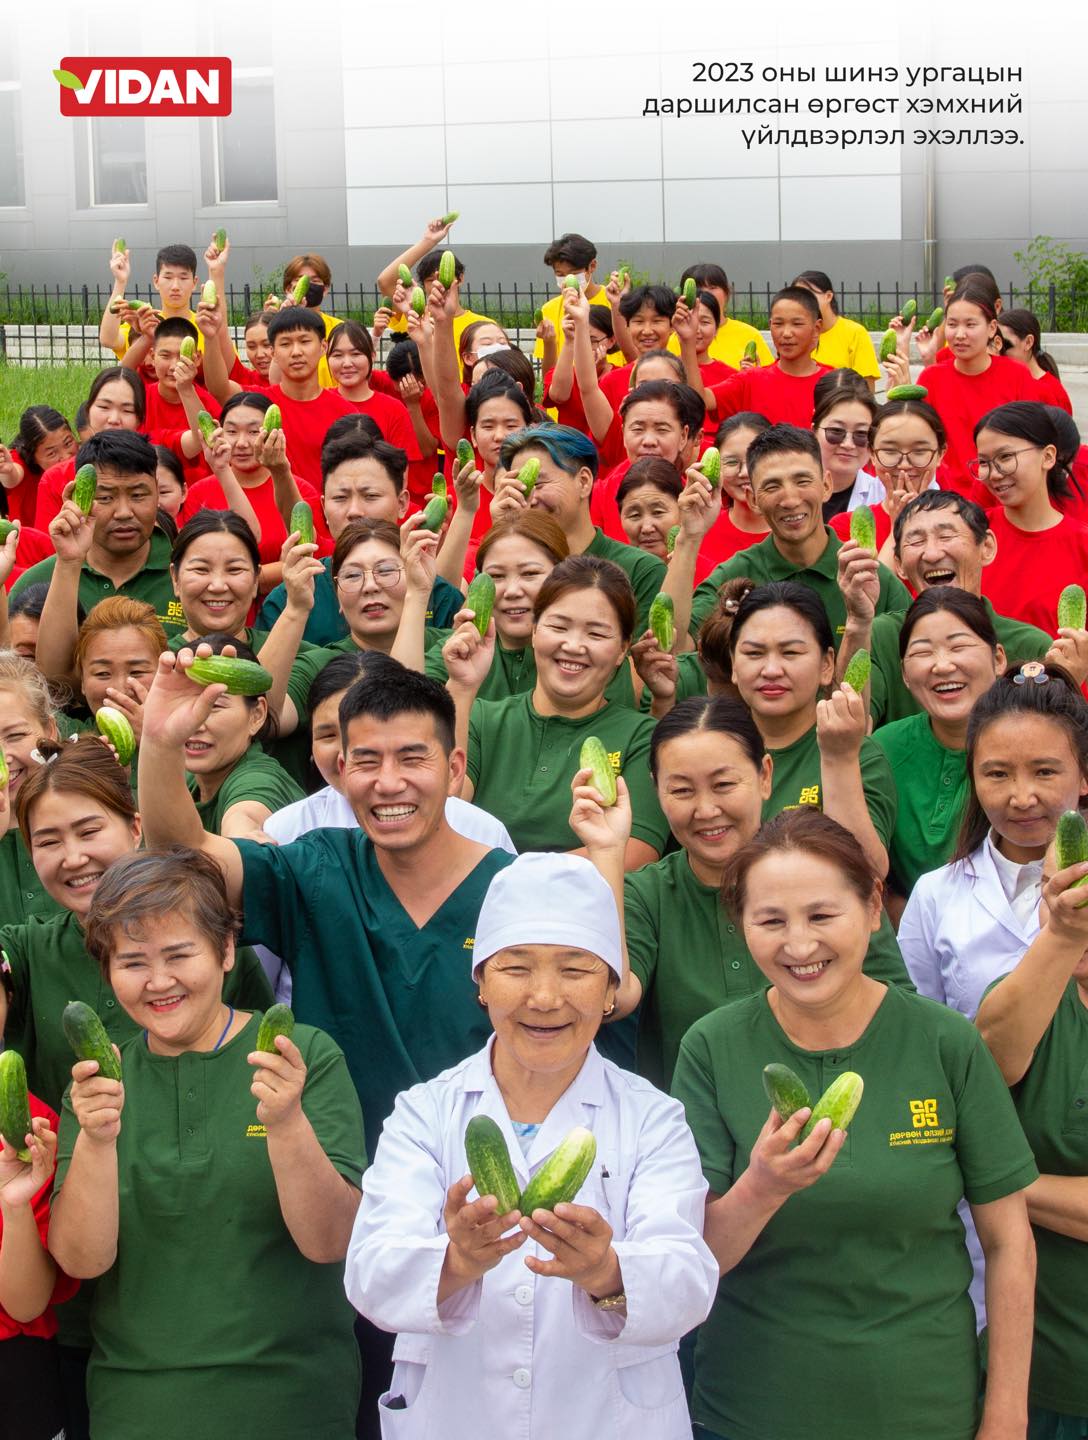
point(21, 677)
point(119, 612)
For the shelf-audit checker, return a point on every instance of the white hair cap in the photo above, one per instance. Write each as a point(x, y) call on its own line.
point(549, 900)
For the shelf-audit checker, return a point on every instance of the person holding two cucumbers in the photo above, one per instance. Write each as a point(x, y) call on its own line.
point(552, 1301)
point(208, 1177)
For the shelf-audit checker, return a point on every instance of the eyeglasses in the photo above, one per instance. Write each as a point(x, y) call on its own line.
point(836, 434)
point(732, 466)
point(918, 458)
point(386, 574)
point(1000, 465)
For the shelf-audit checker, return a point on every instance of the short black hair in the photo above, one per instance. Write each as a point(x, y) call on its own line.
point(403, 359)
point(352, 425)
point(389, 690)
point(181, 255)
point(359, 446)
point(783, 440)
point(687, 403)
point(705, 275)
point(341, 673)
point(120, 450)
point(295, 317)
point(976, 269)
point(491, 385)
point(972, 515)
point(800, 296)
point(571, 249)
point(255, 399)
point(31, 601)
point(659, 297)
point(175, 327)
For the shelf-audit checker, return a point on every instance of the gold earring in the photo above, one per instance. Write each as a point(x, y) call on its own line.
point(481, 1001)
point(610, 1009)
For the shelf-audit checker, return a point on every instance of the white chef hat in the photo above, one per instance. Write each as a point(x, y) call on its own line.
point(549, 900)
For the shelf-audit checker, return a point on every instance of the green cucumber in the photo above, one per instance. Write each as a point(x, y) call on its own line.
point(301, 290)
point(480, 599)
point(935, 319)
point(276, 1020)
point(528, 475)
point(434, 513)
point(447, 268)
point(711, 466)
point(188, 348)
point(888, 345)
point(14, 1104)
point(208, 424)
point(571, 282)
point(785, 1090)
point(119, 246)
point(689, 293)
point(1071, 846)
point(209, 295)
point(241, 677)
point(449, 217)
point(114, 725)
point(489, 1163)
point(670, 539)
point(85, 487)
point(404, 275)
point(838, 1103)
point(1071, 608)
point(220, 238)
point(417, 300)
point(751, 351)
point(302, 520)
point(863, 528)
point(87, 1037)
point(857, 671)
point(908, 312)
point(662, 622)
point(465, 455)
point(439, 487)
point(562, 1175)
point(907, 392)
point(594, 757)
point(6, 528)
point(273, 420)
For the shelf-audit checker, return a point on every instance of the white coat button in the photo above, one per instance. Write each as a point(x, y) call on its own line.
point(524, 1294)
point(522, 1379)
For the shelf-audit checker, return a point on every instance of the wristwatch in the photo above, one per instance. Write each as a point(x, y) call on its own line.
point(611, 1302)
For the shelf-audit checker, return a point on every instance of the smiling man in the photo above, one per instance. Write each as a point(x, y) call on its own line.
point(789, 487)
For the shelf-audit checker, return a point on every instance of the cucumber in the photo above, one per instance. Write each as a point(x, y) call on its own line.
point(119, 246)
point(594, 757)
point(751, 351)
point(888, 344)
point(277, 1020)
point(711, 466)
point(417, 300)
point(538, 318)
point(302, 520)
point(138, 305)
point(220, 238)
point(908, 312)
point(301, 290)
point(449, 217)
point(1071, 845)
point(4, 773)
point(949, 283)
point(563, 1174)
point(1071, 608)
point(465, 455)
point(207, 425)
point(670, 539)
point(528, 475)
point(570, 282)
point(273, 420)
point(87, 1037)
point(386, 303)
point(863, 528)
point(857, 671)
point(690, 293)
point(14, 1104)
point(662, 622)
point(907, 392)
point(404, 275)
point(785, 1090)
point(114, 725)
point(241, 677)
point(434, 513)
point(209, 295)
point(86, 484)
point(6, 527)
point(188, 348)
point(935, 319)
point(489, 1163)
point(439, 488)
point(480, 599)
point(447, 268)
point(838, 1103)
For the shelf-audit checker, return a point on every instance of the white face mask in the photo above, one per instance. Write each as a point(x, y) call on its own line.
point(579, 275)
point(490, 349)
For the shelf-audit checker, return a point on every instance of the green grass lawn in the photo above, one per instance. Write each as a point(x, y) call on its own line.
point(62, 386)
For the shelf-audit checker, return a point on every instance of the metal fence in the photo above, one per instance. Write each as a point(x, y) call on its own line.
point(50, 325)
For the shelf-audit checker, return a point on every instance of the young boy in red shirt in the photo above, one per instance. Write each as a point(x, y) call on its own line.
point(783, 392)
point(645, 323)
point(166, 422)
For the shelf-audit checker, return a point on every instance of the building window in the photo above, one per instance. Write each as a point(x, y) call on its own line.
point(11, 145)
point(245, 142)
point(118, 161)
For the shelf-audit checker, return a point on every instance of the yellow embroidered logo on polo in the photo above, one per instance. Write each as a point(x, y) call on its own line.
point(470, 941)
point(614, 759)
point(175, 611)
point(810, 795)
point(256, 1132)
point(925, 1126)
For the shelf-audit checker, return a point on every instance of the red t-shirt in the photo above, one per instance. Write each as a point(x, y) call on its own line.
point(1032, 568)
point(247, 378)
point(305, 423)
point(722, 541)
point(392, 419)
point(768, 390)
point(570, 411)
point(1050, 390)
point(882, 521)
point(34, 545)
point(22, 498)
point(961, 401)
point(944, 356)
point(603, 510)
point(45, 1325)
point(1077, 504)
point(51, 492)
point(714, 372)
point(166, 424)
point(480, 526)
point(208, 494)
point(615, 383)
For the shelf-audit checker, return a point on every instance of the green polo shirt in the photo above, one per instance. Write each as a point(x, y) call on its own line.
point(256, 776)
point(398, 999)
point(765, 562)
point(521, 764)
point(253, 638)
point(646, 572)
point(1052, 1102)
point(22, 894)
point(690, 957)
point(326, 623)
point(50, 966)
point(309, 665)
point(151, 584)
point(796, 781)
point(931, 784)
point(889, 698)
point(513, 672)
point(211, 1322)
point(858, 1284)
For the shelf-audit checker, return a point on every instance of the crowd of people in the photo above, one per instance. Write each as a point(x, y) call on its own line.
point(401, 832)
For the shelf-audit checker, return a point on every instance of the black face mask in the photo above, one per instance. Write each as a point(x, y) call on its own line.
point(315, 294)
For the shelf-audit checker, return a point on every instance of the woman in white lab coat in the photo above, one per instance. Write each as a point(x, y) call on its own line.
point(557, 1324)
point(969, 922)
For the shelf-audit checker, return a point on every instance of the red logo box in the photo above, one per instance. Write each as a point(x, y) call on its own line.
point(144, 85)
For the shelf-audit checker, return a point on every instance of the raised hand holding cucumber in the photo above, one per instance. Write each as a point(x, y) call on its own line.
point(278, 1082)
point(20, 1180)
point(779, 1167)
point(600, 828)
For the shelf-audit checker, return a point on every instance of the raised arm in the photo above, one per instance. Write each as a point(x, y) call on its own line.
point(109, 331)
point(700, 507)
point(468, 657)
point(451, 558)
point(446, 382)
point(72, 534)
point(211, 322)
point(841, 723)
point(417, 554)
point(301, 567)
point(433, 235)
point(597, 409)
point(176, 707)
point(84, 1221)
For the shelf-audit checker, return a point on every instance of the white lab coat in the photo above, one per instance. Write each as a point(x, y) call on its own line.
point(958, 933)
point(520, 1354)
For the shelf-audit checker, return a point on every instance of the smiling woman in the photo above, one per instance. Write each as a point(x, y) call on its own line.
point(26, 718)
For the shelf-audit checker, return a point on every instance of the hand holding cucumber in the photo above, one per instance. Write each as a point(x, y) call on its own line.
point(842, 722)
point(475, 1232)
point(579, 1239)
point(176, 707)
point(97, 1102)
point(419, 554)
point(600, 828)
point(657, 668)
point(700, 504)
point(278, 1081)
point(71, 531)
point(778, 1168)
point(301, 567)
point(859, 582)
point(20, 1180)
point(468, 654)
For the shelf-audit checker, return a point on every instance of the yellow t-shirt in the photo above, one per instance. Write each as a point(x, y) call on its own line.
point(324, 374)
point(728, 345)
point(399, 324)
point(552, 310)
point(847, 346)
point(126, 334)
